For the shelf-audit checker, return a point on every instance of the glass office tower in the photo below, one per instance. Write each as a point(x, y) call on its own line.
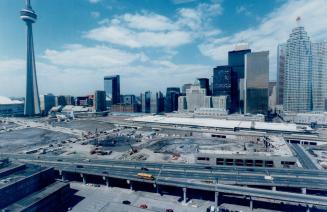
point(204, 83)
point(171, 100)
point(281, 54)
point(256, 83)
point(319, 76)
point(236, 62)
point(112, 88)
point(221, 85)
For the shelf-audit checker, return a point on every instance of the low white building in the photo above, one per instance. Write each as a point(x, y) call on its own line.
point(210, 112)
point(221, 102)
point(306, 118)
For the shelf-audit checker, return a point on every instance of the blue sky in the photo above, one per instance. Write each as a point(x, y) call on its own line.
point(152, 44)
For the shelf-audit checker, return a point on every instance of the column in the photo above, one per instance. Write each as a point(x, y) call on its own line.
point(251, 204)
point(107, 181)
point(184, 195)
point(274, 188)
point(304, 190)
point(216, 198)
point(84, 178)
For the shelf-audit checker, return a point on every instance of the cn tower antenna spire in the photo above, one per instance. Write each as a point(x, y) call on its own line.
point(28, 3)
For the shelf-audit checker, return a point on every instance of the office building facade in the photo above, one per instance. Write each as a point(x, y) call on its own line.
point(100, 101)
point(128, 99)
point(171, 100)
point(196, 98)
point(46, 103)
point(156, 102)
point(222, 81)
point(145, 102)
point(256, 83)
point(221, 103)
point(281, 54)
point(185, 87)
point(204, 83)
point(112, 88)
point(305, 73)
point(236, 62)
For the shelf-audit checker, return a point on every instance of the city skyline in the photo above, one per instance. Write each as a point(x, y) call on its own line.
point(89, 54)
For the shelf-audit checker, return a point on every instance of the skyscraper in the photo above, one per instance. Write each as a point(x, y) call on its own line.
point(100, 101)
point(298, 71)
point(112, 88)
point(222, 81)
point(156, 102)
point(32, 101)
point(319, 76)
point(145, 102)
point(204, 83)
point(236, 62)
point(171, 100)
point(281, 54)
point(256, 82)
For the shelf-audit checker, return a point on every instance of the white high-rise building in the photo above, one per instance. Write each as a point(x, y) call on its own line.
point(319, 76)
point(305, 73)
point(298, 69)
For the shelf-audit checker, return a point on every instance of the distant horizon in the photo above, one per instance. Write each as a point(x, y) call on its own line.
point(151, 45)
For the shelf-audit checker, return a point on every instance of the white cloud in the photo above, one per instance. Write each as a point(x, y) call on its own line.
point(151, 21)
point(243, 10)
point(149, 29)
point(95, 14)
point(182, 1)
point(94, 1)
point(274, 29)
point(91, 57)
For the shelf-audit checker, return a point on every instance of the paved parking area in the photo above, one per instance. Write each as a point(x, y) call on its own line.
point(110, 199)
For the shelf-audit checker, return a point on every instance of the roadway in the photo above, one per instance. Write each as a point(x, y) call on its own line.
point(185, 182)
point(304, 157)
point(297, 178)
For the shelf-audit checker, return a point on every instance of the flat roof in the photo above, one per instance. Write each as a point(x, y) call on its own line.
point(36, 196)
point(221, 123)
point(29, 170)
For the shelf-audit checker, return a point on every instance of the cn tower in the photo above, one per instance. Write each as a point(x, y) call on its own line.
point(32, 101)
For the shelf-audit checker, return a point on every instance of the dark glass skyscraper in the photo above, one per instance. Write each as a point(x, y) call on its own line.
point(171, 100)
point(32, 100)
point(204, 83)
point(236, 62)
point(100, 101)
point(112, 88)
point(222, 81)
point(281, 54)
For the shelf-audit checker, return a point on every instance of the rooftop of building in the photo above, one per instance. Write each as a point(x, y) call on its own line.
point(222, 123)
point(19, 174)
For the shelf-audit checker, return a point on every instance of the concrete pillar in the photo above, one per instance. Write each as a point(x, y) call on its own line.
point(308, 209)
point(107, 181)
point(84, 178)
point(217, 199)
point(131, 186)
point(304, 190)
point(184, 195)
point(251, 204)
point(274, 188)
